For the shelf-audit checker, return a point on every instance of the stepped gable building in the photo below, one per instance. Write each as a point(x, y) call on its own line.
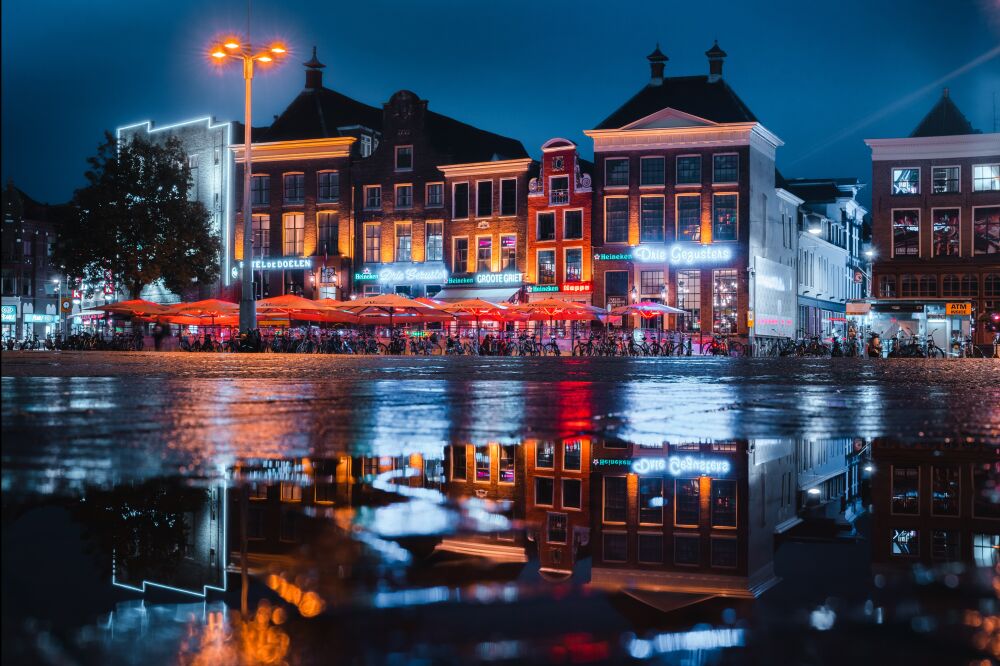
point(301, 190)
point(441, 204)
point(936, 229)
point(686, 208)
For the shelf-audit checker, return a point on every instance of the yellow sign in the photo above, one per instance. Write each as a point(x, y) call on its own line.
point(749, 318)
point(958, 308)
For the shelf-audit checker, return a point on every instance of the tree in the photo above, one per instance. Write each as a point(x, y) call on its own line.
point(135, 221)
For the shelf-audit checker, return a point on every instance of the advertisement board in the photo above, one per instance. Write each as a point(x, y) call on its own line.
point(774, 299)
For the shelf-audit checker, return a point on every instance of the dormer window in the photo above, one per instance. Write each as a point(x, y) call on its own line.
point(366, 145)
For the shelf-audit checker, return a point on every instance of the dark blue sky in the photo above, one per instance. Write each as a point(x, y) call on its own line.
point(822, 75)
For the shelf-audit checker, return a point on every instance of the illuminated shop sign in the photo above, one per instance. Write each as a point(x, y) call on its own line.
point(40, 319)
point(685, 254)
point(567, 287)
point(682, 466)
point(511, 277)
point(8, 313)
point(281, 263)
point(610, 462)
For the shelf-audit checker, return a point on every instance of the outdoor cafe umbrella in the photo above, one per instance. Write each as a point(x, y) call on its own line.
point(136, 307)
point(391, 305)
point(477, 308)
point(297, 307)
point(555, 308)
point(216, 311)
point(647, 310)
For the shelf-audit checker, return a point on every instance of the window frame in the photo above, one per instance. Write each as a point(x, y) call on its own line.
point(726, 182)
point(958, 226)
point(892, 231)
point(892, 489)
point(329, 200)
point(628, 171)
point(395, 247)
point(285, 201)
point(395, 155)
point(638, 497)
point(538, 226)
point(912, 555)
point(489, 463)
point(973, 227)
point(604, 498)
point(677, 502)
point(538, 266)
point(562, 494)
point(677, 170)
point(502, 248)
point(566, 278)
point(378, 235)
point(613, 533)
point(297, 242)
point(465, 463)
point(427, 198)
point(372, 188)
point(628, 212)
point(454, 247)
point(663, 217)
point(335, 239)
point(490, 238)
point(454, 201)
point(648, 158)
point(503, 199)
point(266, 190)
point(958, 495)
point(428, 256)
point(693, 536)
point(395, 196)
point(736, 208)
point(958, 180)
point(711, 555)
point(989, 178)
point(480, 183)
point(534, 491)
point(736, 505)
point(638, 547)
point(513, 462)
point(892, 181)
point(566, 211)
point(677, 217)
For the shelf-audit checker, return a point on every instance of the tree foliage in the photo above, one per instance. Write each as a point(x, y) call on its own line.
point(136, 220)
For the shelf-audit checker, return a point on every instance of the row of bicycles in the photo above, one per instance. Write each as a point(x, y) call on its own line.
point(79, 342)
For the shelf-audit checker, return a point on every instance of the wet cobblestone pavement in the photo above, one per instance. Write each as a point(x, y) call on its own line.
point(292, 509)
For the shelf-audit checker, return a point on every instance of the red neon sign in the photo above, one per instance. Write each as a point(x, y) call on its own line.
point(578, 287)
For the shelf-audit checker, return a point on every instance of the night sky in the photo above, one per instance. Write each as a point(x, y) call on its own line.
point(823, 76)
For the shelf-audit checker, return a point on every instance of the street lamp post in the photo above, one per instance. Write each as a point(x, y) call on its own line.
point(247, 54)
point(59, 326)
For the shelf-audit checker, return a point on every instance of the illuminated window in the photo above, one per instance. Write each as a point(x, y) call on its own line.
point(324, 492)
point(650, 548)
point(508, 197)
point(986, 549)
point(687, 549)
point(906, 490)
point(404, 241)
point(615, 499)
point(725, 168)
point(945, 232)
point(546, 267)
point(616, 172)
point(572, 224)
point(944, 546)
point(724, 292)
point(404, 196)
point(545, 453)
point(373, 197)
point(546, 226)
point(435, 241)
point(651, 171)
point(689, 170)
point(651, 220)
point(291, 492)
point(615, 548)
point(258, 491)
point(616, 220)
point(572, 450)
point(724, 552)
point(557, 528)
point(687, 502)
point(723, 503)
point(508, 453)
point(295, 188)
point(986, 177)
point(460, 201)
point(482, 463)
point(543, 491)
point(986, 490)
point(261, 235)
point(689, 218)
point(574, 265)
point(328, 186)
point(689, 299)
point(329, 232)
point(905, 233)
point(484, 254)
point(559, 191)
point(905, 543)
point(986, 230)
point(724, 217)
point(295, 234)
point(366, 145)
point(571, 497)
point(460, 255)
point(484, 198)
point(458, 462)
point(260, 190)
point(435, 195)
point(651, 500)
point(373, 243)
point(404, 158)
point(906, 181)
point(508, 253)
point(651, 283)
point(945, 180)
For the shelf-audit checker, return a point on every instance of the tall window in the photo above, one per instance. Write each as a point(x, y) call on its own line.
point(508, 197)
point(572, 449)
point(435, 241)
point(261, 235)
point(906, 490)
point(723, 503)
point(508, 253)
point(615, 499)
point(615, 547)
point(944, 493)
point(616, 220)
point(373, 197)
point(506, 467)
point(404, 158)
point(991, 285)
point(295, 188)
point(724, 552)
point(616, 288)
point(572, 224)
point(689, 218)
point(559, 191)
point(650, 283)
point(484, 198)
point(482, 463)
point(328, 233)
point(546, 226)
point(724, 217)
point(404, 196)
point(944, 546)
point(906, 181)
point(557, 528)
point(373, 243)
point(574, 265)
point(484, 254)
point(616, 171)
point(651, 171)
point(460, 201)
point(905, 233)
point(546, 267)
point(946, 232)
point(687, 503)
point(945, 179)
point(725, 168)
point(260, 190)
point(651, 220)
point(986, 490)
point(724, 301)
point(404, 241)
point(458, 462)
point(328, 186)
point(986, 230)
point(545, 455)
point(295, 234)
point(651, 500)
point(887, 286)
point(689, 170)
point(544, 491)
point(435, 195)
point(687, 549)
point(986, 177)
point(571, 494)
point(951, 285)
point(460, 255)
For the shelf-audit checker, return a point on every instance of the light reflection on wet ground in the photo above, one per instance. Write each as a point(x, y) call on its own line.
point(400, 510)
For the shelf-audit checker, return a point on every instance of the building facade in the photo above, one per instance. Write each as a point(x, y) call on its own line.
point(685, 207)
point(936, 230)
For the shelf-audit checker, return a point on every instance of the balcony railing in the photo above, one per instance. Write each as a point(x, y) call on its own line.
point(558, 197)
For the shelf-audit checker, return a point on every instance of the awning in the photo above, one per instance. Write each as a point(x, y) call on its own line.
point(491, 294)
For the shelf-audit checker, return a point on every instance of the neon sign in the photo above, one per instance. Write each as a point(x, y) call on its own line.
point(678, 253)
point(569, 287)
point(682, 465)
point(280, 263)
point(9, 313)
point(499, 278)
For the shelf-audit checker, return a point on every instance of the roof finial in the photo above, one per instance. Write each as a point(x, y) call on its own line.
point(656, 63)
point(314, 72)
point(715, 58)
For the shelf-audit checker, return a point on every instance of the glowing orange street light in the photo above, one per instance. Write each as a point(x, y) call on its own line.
point(245, 52)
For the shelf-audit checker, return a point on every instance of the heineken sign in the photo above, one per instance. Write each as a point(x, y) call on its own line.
point(679, 254)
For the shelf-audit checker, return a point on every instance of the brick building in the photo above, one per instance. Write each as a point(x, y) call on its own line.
point(560, 255)
point(685, 206)
point(936, 229)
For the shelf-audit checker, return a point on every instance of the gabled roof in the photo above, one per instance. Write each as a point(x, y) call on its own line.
point(944, 119)
point(465, 143)
point(694, 95)
point(318, 113)
point(821, 190)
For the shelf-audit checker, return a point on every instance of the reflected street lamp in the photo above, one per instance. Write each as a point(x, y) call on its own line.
point(233, 48)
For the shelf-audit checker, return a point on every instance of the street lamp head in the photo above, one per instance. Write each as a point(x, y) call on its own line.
point(278, 49)
point(264, 58)
point(232, 44)
point(217, 52)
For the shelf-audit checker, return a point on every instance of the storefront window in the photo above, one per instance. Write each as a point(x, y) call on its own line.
point(546, 267)
point(508, 253)
point(574, 265)
point(946, 232)
point(724, 302)
point(615, 499)
point(986, 230)
point(905, 543)
point(651, 500)
point(905, 233)
point(723, 503)
point(507, 457)
point(689, 299)
point(616, 288)
point(687, 549)
point(651, 548)
point(905, 490)
point(458, 462)
point(687, 502)
point(724, 217)
point(650, 283)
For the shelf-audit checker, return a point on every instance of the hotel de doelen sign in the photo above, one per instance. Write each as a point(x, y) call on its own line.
point(673, 465)
point(687, 254)
point(275, 264)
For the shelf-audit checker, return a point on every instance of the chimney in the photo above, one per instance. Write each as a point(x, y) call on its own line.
point(715, 58)
point(314, 73)
point(656, 63)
